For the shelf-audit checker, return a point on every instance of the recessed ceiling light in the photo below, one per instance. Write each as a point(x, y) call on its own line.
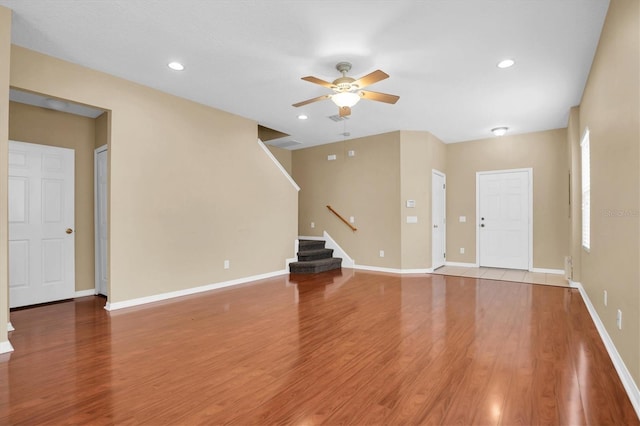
point(506, 63)
point(499, 131)
point(176, 66)
point(302, 117)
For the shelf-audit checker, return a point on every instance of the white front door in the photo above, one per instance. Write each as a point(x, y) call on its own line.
point(41, 224)
point(101, 220)
point(438, 242)
point(504, 218)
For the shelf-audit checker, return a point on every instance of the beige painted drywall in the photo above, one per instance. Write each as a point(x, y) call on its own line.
point(5, 54)
point(373, 186)
point(48, 127)
point(365, 186)
point(283, 156)
point(610, 108)
point(102, 130)
point(266, 134)
point(544, 152)
point(420, 153)
point(189, 185)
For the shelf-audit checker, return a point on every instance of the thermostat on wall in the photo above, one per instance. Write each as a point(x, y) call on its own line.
point(411, 203)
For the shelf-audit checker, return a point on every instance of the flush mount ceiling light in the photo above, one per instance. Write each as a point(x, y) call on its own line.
point(176, 66)
point(506, 63)
point(302, 117)
point(499, 131)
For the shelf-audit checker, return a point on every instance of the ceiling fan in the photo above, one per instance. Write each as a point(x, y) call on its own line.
point(348, 91)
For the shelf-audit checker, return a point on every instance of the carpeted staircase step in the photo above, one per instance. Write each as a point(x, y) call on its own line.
point(313, 266)
point(310, 245)
point(316, 254)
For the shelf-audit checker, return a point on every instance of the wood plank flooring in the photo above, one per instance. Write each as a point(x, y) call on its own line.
point(346, 347)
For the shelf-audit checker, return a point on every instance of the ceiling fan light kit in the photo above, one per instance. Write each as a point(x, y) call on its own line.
point(347, 90)
point(345, 99)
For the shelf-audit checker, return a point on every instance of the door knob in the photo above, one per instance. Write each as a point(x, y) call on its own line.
point(435, 226)
point(69, 231)
point(482, 225)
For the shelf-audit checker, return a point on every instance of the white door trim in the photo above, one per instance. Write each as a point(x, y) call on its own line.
point(444, 224)
point(529, 171)
point(96, 228)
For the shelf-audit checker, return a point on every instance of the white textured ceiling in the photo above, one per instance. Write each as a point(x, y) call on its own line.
point(247, 57)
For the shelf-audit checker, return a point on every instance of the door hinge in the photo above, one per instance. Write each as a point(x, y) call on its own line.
point(444, 186)
point(444, 255)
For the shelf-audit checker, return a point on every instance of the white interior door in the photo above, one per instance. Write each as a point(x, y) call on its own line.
point(438, 235)
point(504, 219)
point(41, 223)
point(101, 220)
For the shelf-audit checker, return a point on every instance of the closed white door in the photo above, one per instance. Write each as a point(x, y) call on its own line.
point(438, 241)
point(41, 224)
point(101, 220)
point(504, 219)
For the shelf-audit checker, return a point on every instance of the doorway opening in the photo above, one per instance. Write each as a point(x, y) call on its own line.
point(36, 119)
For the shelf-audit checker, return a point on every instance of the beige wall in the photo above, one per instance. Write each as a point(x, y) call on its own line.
point(283, 156)
point(103, 127)
point(48, 127)
point(366, 186)
point(5, 54)
point(178, 206)
point(610, 108)
point(399, 165)
point(372, 186)
point(544, 152)
point(420, 153)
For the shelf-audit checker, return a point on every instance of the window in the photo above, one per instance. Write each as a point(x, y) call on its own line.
point(586, 190)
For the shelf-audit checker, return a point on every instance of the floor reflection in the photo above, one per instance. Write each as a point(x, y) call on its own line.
point(345, 347)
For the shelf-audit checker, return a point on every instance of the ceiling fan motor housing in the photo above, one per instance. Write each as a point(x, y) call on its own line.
point(344, 83)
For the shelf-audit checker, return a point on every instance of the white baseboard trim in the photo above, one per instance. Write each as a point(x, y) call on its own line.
point(627, 380)
point(173, 294)
point(392, 270)
point(464, 265)
point(547, 271)
point(85, 293)
point(306, 237)
point(5, 347)
point(10, 327)
point(288, 261)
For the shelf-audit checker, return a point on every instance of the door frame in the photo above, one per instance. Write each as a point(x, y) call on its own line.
point(529, 171)
point(444, 216)
point(96, 229)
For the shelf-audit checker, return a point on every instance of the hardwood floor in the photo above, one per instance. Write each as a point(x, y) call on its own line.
point(335, 348)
